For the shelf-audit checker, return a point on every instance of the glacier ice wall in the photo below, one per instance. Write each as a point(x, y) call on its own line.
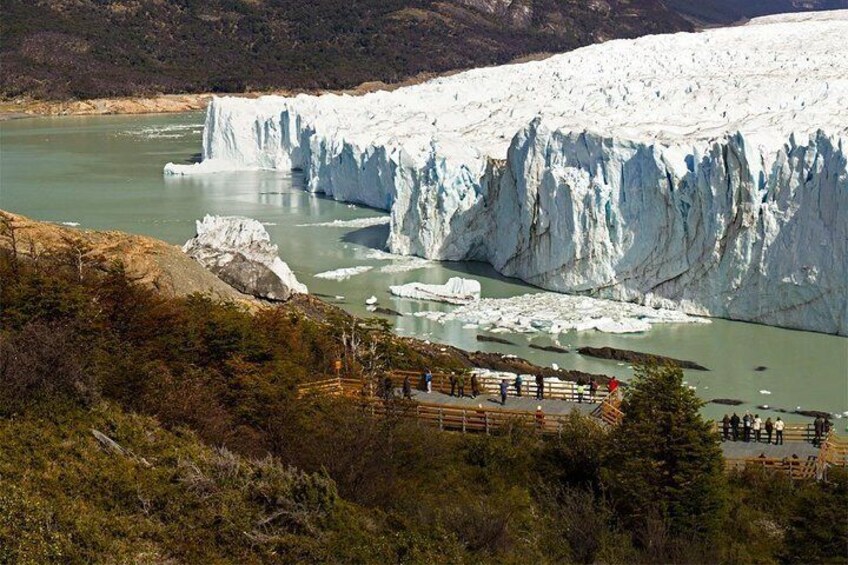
point(703, 171)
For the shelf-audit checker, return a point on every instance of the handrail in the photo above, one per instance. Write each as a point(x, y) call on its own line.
point(559, 389)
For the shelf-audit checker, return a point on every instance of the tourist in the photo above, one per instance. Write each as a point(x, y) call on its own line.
point(593, 388)
point(778, 430)
point(428, 381)
point(769, 429)
point(518, 382)
point(504, 388)
point(817, 428)
point(388, 387)
point(475, 386)
point(540, 418)
point(540, 387)
point(725, 428)
point(746, 427)
point(734, 425)
point(612, 386)
point(826, 425)
point(581, 389)
point(757, 426)
point(407, 388)
point(460, 384)
point(452, 379)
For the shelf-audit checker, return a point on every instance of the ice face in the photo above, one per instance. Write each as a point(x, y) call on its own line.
point(701, 171)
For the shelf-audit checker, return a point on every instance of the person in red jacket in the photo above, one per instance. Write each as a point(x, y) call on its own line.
point(612, 385)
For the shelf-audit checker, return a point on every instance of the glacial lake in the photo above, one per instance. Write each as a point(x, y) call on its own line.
point(106, 173)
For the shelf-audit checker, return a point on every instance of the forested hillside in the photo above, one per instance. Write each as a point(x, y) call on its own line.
point(59, 49)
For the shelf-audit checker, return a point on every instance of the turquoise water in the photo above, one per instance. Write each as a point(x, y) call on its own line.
point(106, 173)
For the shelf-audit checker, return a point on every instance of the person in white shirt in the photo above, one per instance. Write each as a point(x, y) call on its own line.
point(758, 427)
point(778, 428)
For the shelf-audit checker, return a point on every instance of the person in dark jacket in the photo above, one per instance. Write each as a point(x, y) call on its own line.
point(388, 387)
point(504, 388)
point(734, 425)
point(769, 425)
point(593, 388)
point(518, 382)
point(540, 387)
point(818, 423)
point(746, 427)
point(407, 387)
point(725, 428)
point(475, 385)
point(460, 384)
point(452, 379)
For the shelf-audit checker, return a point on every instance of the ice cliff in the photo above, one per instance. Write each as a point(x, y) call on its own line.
point(239, 251)
point(704, 171)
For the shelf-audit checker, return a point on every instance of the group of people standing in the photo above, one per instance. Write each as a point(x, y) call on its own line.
point(751, 427)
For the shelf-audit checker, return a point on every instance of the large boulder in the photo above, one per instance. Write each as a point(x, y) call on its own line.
point(239, 251)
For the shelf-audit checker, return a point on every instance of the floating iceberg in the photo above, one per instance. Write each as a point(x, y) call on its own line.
point(456, 291)
point(239, 251)
point(706, 171)
point(343, 274)
point(549, 312)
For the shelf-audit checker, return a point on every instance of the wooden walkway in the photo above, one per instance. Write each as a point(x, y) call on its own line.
point(798, 457)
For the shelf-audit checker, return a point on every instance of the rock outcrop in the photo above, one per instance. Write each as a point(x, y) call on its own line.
point(239, 251)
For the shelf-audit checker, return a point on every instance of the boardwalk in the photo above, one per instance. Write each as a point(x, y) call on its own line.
point(491, 402)
point(798, 457)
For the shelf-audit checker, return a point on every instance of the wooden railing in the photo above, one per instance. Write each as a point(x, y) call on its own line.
point(490, 385)
point(799, 468)
point(609, 411)
point(480, 419)
point(791, 433)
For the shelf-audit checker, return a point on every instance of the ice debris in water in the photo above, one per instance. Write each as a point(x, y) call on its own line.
point(357, 223)
point(765, 392)
point(456, 291)
point(371, 300)
point(554, 313)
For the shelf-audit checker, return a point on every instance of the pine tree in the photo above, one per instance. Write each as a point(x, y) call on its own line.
point(664, 465)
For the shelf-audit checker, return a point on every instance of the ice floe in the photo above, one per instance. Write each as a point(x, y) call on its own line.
point(456, 291)
point(344, 273)
point(554, 313)
point(357, 223)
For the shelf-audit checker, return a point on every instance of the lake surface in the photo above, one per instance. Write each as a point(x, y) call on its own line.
point(106, 173)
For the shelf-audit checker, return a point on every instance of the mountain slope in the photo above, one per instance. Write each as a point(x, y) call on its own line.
point(88, 48)
point(719, 12)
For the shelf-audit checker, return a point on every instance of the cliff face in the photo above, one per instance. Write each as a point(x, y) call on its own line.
point(706, 171)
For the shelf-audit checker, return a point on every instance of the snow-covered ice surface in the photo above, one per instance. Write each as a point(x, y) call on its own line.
point(553, 313)
point(344, 273)
point(399, 263)
point(239, 251)
point(456, 291)
point(704, 171)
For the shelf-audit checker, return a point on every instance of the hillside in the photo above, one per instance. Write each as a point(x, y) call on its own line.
point(60, 49)
point(141, 428)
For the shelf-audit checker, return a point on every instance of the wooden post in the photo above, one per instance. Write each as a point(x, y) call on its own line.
point(463, 421)
point(486, 421)
point(441, 423)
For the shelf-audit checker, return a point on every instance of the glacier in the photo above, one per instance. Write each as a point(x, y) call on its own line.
point(700, 171)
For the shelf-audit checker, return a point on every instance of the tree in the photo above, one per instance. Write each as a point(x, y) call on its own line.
point(818, 525)
point(664, 467)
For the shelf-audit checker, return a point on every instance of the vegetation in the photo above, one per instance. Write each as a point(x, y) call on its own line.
point(59, 49)
point(135, 428)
